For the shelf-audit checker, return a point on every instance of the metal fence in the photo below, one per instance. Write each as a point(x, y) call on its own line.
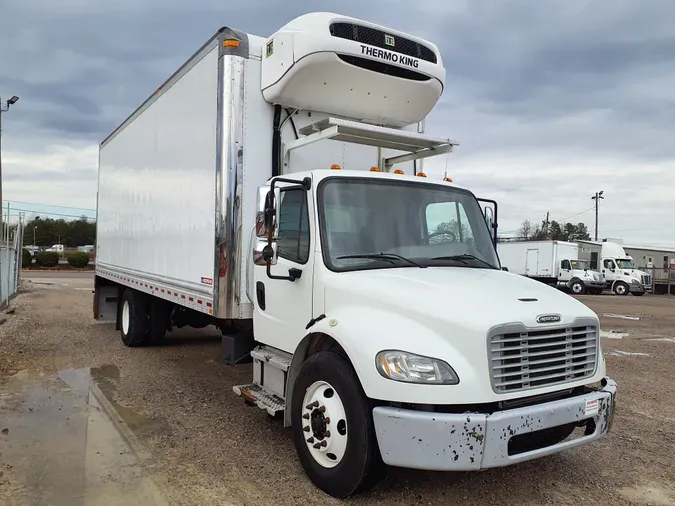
point(10, 260)
point(663, 279)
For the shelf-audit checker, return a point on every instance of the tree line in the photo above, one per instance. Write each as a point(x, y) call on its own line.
point(552, 230)
point(71, 233)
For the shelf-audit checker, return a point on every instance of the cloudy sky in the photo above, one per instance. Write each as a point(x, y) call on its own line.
point(551, 100)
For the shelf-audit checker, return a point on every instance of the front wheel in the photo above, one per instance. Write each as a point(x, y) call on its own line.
point(333, 426)
point(621, 288)
point(578, 288)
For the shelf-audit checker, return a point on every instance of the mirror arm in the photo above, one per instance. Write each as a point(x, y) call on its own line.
point(268, 251)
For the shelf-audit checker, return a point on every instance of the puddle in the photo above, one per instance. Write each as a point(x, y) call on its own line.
point(613, 334)
point(106, 378)
point(619, 353)
point(665, 339)
point(622, 316)
point(66, 440)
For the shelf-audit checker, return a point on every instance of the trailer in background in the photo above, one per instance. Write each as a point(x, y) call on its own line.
point(552, 262)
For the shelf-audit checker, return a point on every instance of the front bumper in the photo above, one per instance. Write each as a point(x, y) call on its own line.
point(473, 441)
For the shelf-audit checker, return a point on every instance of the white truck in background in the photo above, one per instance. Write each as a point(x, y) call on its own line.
point(555, 263)
point(620, 273)
point(273, 187)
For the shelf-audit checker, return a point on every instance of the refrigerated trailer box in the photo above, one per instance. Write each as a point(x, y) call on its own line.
point(274, 187)
point(552, 262)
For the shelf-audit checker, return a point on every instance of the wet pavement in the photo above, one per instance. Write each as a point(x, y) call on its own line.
point(64, 441)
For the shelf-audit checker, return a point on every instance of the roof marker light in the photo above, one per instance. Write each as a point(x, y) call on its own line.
point(447, 179)
point(399, 171)
point(421, 174)
point(335, 166)
point(374, 169)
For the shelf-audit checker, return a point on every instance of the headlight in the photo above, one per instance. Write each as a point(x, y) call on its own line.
point(635, 281)
point(410, 368)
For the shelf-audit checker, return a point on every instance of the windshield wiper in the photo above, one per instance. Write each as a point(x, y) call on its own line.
point(383, 256)
point(464, 257)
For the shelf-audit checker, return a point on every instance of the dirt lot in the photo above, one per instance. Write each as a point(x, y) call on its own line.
point(85, 420)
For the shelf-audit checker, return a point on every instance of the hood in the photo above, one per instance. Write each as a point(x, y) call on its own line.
point(476, 299)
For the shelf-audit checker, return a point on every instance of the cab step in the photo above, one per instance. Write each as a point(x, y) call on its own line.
point(255, 394)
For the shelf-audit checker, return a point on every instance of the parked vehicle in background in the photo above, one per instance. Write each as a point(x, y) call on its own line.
point(552, 262)
point(57, 248)
point(620, 272)
point(273, 187)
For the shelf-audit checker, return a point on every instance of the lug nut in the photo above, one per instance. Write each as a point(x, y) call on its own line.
point(327, 419)
point(327, 433)
point(322, 409)
point(310, 440)
point(306, 429)
point(324, 443)
point(306, 416)
point(317, 446)
point(315, 404)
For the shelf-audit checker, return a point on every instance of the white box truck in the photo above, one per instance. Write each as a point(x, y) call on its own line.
point(273, 187)
point(552, 262)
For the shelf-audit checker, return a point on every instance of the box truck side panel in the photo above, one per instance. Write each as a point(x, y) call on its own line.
point(257, 162)
point(157, 186)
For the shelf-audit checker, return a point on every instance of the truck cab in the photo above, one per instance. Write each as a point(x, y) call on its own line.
point(620, 273)
point(578, 277)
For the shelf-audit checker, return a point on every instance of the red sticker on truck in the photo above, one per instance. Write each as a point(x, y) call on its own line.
point(207, 281)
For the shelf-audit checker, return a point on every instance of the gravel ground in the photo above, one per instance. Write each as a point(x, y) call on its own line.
point(205, 446)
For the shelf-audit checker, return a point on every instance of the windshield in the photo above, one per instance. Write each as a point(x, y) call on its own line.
point(580, 264)
point(624, 264)
point(368, 224)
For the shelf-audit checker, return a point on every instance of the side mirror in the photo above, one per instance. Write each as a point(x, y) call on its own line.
point(263, 253)
point(505, 269)
point(267, 212)
point(489, 218)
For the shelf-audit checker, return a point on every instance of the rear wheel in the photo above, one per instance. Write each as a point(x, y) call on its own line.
point(134, 319)
point(621, 288)
point(333, 426)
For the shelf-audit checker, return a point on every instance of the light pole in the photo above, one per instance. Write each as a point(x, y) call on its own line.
point(34, 229)
point(597, 197)
point(4, 108)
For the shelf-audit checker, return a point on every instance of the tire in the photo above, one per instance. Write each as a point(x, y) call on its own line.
point(134, 319)
point(160, 313)
point(621, 288)
point(350, 462)
point(578, 287)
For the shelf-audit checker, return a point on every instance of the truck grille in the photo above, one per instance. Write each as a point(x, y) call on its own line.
point(646, 280)
point(534, 359)
point(374, 37)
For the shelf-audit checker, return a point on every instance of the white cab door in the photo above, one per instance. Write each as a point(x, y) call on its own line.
point(283, 308)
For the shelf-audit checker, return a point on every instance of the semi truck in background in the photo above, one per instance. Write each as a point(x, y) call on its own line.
point(620, 273)
point(555, 263)
point(273, 187)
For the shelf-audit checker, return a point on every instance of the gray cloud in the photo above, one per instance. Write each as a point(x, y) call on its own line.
point(535, 90)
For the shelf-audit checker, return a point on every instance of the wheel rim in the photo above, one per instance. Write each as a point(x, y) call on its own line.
point(620, 289)
point(577, 288)
point(125, 317)
point(324, 424)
